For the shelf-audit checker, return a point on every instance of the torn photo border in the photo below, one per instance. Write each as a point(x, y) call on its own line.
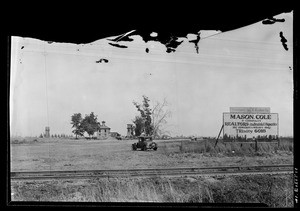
point(171, 44)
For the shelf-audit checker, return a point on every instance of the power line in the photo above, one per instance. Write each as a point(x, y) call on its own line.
point(46, 84)
point(251, 41)
point(142, 46)
point(46, 87)
point(183, 59)
point(259, 52)
point(213, 57)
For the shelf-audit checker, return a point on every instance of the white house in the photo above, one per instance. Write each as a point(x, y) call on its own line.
point(103, 132)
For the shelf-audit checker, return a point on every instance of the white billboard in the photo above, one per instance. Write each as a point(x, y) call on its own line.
point(249, 125)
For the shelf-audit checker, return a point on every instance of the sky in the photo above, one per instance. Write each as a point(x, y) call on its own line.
point(245, 67)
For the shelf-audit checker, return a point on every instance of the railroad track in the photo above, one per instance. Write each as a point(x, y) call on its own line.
point(46, 175)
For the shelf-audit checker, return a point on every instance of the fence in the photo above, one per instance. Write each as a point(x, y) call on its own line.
point(210, 146)
point(256, 142)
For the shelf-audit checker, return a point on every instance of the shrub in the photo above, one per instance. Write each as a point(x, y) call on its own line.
point(246, 148)
point(16, 141)
point(209, 148)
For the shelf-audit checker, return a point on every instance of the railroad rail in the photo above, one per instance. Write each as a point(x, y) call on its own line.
point(76, 174)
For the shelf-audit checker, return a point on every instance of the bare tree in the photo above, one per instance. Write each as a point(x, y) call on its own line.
point(160, 114)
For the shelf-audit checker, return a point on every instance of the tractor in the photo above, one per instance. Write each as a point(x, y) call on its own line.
point(144, 143)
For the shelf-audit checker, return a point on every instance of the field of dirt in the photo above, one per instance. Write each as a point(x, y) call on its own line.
point(70, 154)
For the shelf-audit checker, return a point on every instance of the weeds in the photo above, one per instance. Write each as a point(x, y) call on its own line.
point(234, 149)
point(275, 191)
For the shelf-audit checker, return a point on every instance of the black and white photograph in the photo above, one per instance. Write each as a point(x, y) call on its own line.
point(150, 115)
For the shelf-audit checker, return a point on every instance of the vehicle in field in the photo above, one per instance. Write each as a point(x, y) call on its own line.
point(144, 143)
point(193, 138)
point(118, 137)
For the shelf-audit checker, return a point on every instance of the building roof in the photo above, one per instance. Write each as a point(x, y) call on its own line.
point(103, 127)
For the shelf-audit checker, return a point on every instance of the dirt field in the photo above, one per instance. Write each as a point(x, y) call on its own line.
point(67, 154)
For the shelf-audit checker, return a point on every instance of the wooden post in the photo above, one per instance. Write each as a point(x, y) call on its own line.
point(219, 136)
point(278, 143)
point(256, 148)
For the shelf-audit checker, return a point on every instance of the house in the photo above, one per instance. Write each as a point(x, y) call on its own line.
point(114, 134)
point(103, 132)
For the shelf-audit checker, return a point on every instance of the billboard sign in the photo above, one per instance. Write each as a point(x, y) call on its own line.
point(249, 125)
point(250, 110)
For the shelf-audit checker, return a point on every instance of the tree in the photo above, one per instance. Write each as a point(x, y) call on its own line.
point(159, 118)
point(76, 121)
point(139, 125)
point(90, 124)
point(145, 112)
point(152, 121)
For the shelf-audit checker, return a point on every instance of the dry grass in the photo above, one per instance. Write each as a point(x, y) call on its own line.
point(232, 148)
point(79, 155)
point(32, 140)
point(275, 191)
